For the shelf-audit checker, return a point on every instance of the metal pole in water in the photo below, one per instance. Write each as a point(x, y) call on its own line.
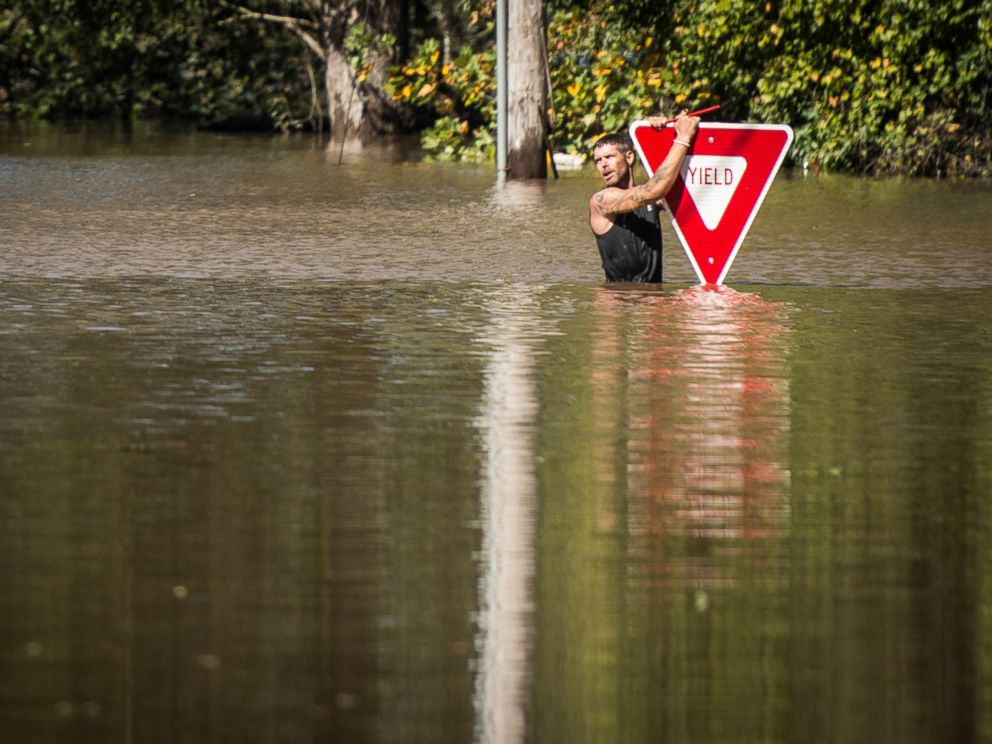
point(501, 97)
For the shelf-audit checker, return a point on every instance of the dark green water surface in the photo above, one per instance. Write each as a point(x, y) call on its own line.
point(293, 451)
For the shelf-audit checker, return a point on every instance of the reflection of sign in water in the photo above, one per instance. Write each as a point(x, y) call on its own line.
point(720, 188)
point(706, 434)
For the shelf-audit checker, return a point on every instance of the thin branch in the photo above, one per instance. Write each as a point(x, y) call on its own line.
point(296, 25)
point(315, 101)
point(10, 28)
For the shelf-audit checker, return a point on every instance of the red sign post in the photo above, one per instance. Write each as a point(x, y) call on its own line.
point(722, 183)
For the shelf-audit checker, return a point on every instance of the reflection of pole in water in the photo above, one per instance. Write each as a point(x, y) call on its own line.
point(508, 493)
point(519, 196)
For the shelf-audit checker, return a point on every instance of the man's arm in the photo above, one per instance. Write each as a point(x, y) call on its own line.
point(612, 201)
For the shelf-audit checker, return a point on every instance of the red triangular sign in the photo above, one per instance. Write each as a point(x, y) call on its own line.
point(720, 188)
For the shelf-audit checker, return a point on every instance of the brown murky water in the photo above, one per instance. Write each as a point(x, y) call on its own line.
point(294, 451)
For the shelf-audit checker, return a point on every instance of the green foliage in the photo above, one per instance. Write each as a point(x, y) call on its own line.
point(593, 89)
point(601, 73)
point(460, 93)
point(360, 43)
point(898, 86)
point(70, 58)
point(892, 86)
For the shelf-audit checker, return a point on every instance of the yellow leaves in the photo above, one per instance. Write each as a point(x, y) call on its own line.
point(680, 98)
point(600, 93)
point(425, 90)
point(774, 35)
point(435, 56)
point(573, 90)
point(407, 90)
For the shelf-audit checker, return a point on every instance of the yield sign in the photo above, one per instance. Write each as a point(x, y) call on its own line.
point(722, 183)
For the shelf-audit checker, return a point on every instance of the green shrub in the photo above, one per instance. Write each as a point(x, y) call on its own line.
point(899, 86)
point(460, 94)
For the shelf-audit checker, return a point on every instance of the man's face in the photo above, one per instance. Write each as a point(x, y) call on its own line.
point(613, 165)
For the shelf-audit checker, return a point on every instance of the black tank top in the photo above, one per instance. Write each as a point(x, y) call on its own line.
point(631, 249)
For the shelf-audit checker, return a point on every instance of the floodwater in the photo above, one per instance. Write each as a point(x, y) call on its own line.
point(294, 450)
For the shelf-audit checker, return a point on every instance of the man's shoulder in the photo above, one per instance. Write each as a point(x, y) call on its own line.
point(601, 217)
point(605, 200)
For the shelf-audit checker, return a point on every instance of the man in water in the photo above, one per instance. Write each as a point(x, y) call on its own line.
point(624, 215)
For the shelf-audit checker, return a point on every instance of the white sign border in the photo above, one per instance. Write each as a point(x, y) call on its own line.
point(789, 134)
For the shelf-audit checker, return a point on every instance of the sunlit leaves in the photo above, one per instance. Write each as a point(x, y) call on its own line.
point(603, 75)
point(888, 88)
point(461, 94)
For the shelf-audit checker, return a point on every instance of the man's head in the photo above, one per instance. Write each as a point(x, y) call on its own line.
point(620, 140)
point(613, 155)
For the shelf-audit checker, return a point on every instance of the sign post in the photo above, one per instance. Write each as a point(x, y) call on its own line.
point(721, 185)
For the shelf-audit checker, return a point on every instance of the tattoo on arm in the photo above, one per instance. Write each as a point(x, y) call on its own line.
point(660, 174)
point(629, 200)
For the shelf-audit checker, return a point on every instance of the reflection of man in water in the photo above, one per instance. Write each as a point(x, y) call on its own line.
point(623, 215)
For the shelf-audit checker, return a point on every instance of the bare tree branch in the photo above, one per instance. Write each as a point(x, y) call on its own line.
point(296, 25)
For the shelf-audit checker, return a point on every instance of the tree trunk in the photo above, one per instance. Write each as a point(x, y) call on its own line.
point(344, 104)
point(359, 110)
point(384, 17)
point(525, 90)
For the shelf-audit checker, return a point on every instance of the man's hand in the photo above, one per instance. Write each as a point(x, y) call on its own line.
point(685, 126)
